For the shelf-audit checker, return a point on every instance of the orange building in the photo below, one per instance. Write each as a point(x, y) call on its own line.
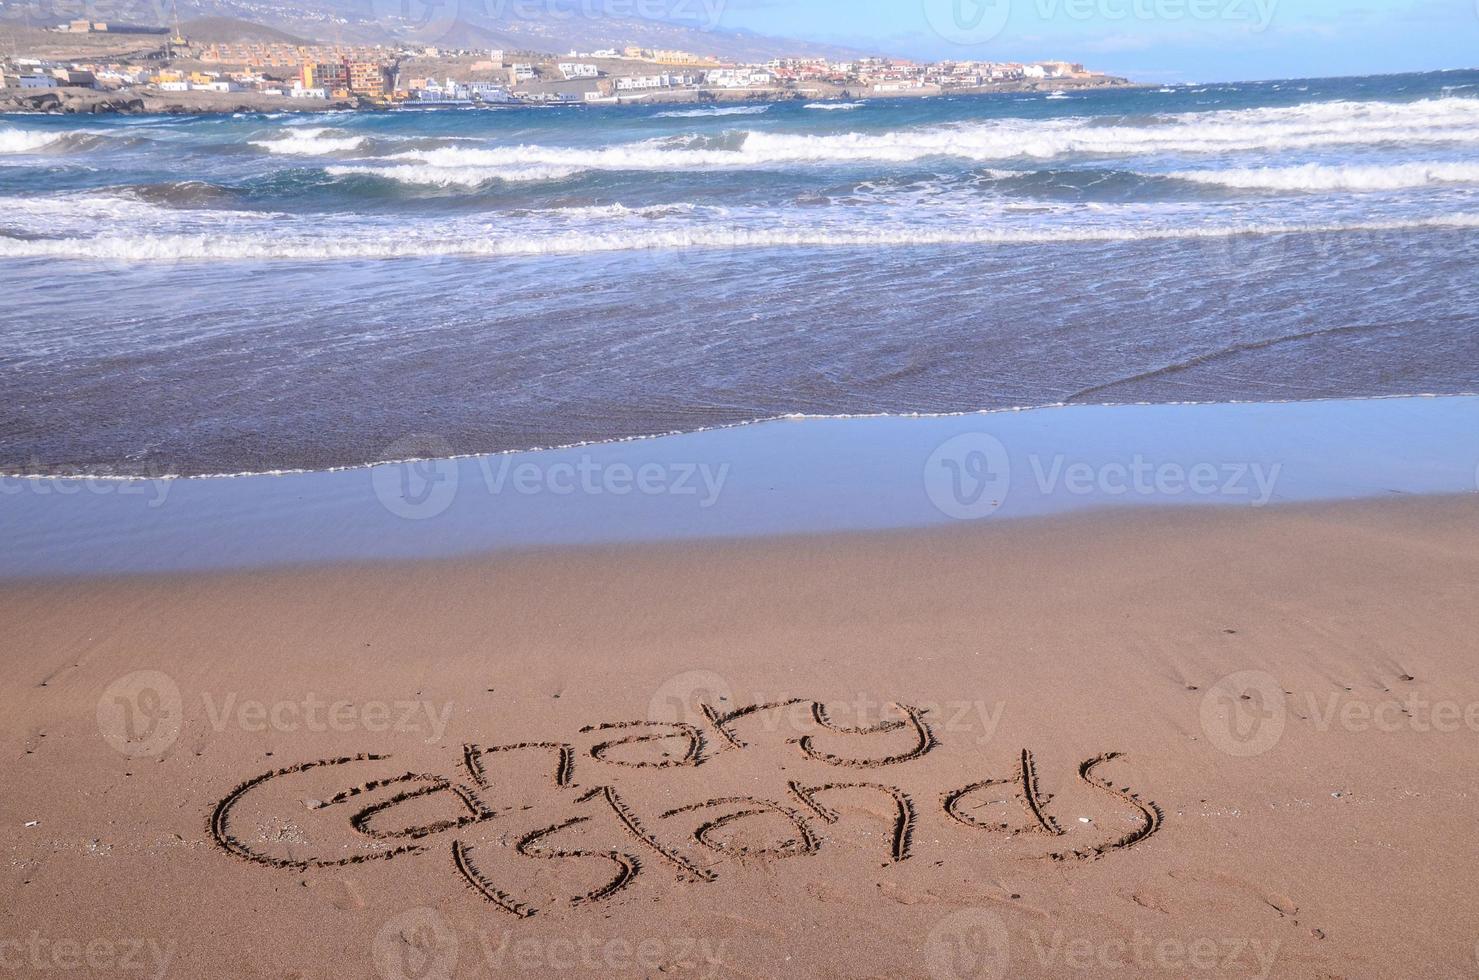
point(369, 79)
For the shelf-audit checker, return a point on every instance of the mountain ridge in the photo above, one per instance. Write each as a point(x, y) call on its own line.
point(546, 26)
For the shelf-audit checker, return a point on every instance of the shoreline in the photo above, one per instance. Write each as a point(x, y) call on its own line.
point(144, 101)
point(107, 474)
point(764, 480)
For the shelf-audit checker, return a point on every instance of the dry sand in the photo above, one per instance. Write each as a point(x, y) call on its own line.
point(1070, 788)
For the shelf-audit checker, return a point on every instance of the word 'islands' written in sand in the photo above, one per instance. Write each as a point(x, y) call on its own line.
point(515, 824)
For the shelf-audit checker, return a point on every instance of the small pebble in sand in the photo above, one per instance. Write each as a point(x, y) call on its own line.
point(33, 823)
point(1337, 794)
point(1084, 820)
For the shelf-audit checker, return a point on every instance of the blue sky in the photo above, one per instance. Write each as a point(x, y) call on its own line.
point(1150, 40)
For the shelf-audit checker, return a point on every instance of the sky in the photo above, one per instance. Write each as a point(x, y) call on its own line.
point(1148, 40)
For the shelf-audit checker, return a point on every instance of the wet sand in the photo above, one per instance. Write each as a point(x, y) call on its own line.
point(1163, 742)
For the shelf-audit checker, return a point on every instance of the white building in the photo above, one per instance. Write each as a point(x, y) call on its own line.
point(488, 92)
point(574, 69)
point(640, 83)
point(738, 78)
point(902, 85)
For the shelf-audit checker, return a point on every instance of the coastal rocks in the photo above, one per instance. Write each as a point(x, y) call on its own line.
point(155, 105)
point(80, 101)
point(70, 102)
point(115, 104)
point(37, 102)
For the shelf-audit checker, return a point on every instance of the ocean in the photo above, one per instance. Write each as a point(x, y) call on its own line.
point(229, 294)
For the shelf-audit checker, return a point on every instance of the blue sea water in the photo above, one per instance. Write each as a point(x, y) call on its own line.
point(220, 294)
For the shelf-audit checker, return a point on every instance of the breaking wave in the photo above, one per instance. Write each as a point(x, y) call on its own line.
point(429, 175)
point(230, 242)
point(26, 140)
point(739, 110)
point(311, 142)
point(1318, 177)
point(1433, 121)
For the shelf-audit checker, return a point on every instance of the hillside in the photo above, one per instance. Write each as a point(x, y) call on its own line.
point(445, 23)
point(229, 30)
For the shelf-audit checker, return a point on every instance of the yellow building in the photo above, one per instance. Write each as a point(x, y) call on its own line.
point(681, 58)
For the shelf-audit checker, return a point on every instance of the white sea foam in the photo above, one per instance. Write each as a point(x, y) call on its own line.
point(1432, 121)
point(1319, 177)
point(738, 110)
point(26, 140)
point(79, 215)
point(491, 241)
point(619, 211)
point(834, 106)
point(310, 142)
point(429, 175)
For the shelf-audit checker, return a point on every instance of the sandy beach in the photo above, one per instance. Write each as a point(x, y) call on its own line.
point(1155, 742)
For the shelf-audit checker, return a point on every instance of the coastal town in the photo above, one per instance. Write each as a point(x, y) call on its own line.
point(90, 66)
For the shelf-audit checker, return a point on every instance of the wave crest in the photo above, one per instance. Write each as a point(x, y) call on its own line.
point(738, 110)
point(314, 142)
point(428, 175)
point(232, 244)
point(26, 140)
point(1321, 177)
